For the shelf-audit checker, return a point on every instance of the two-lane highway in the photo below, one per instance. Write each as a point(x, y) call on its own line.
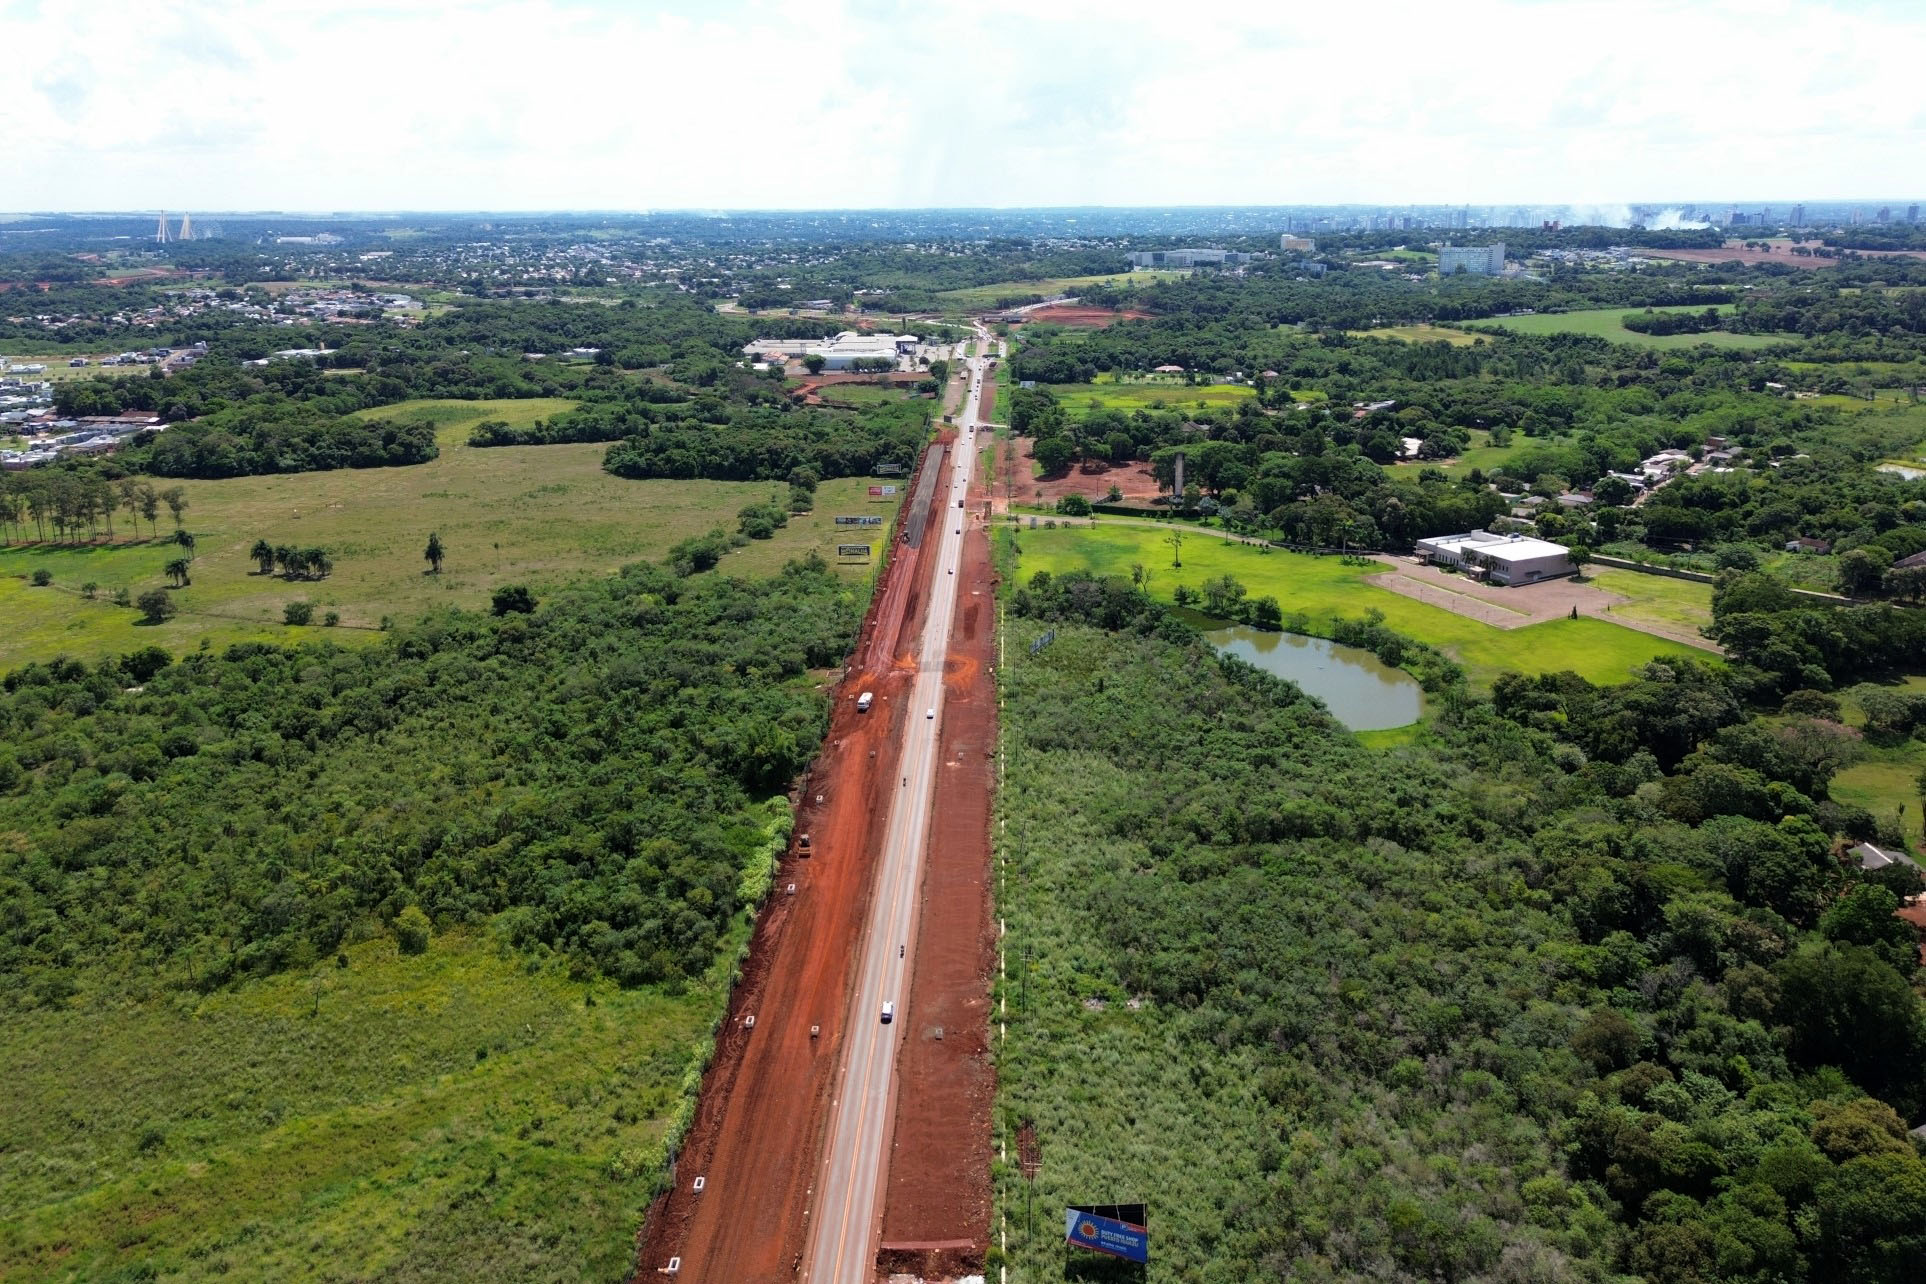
point(847, 1207)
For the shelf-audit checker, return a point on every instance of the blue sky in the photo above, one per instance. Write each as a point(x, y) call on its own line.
point(548, 104)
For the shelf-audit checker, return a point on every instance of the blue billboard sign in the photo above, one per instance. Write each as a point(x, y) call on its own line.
point(1101, 1234)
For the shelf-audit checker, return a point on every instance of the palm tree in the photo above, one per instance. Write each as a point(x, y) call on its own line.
point(185, 539)
point(434, 553)
point(177, 570)
point(263, 554)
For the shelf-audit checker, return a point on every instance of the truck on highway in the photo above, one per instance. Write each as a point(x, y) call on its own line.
point(865, 700)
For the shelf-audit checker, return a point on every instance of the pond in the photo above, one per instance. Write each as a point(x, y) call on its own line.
point(1363, 692)
point(1910, 474)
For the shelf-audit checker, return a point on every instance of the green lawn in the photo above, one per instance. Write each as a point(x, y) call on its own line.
point(1885, 780)
point(507, 514)
point(1658, 599)
point(1604, 323)
point(1480, 454)
point(58, 371)
point(985, 296)
point(1079, 399)
point(463, 1114)
point(1323, 587)
point(1423, 332)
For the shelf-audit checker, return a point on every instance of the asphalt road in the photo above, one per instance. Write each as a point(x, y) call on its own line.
point(846, 1214)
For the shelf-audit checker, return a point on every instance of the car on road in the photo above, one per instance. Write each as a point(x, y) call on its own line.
point(889, 1011)
point(931, 713)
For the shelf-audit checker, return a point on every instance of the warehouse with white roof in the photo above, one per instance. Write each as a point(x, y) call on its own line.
point(1499, 559)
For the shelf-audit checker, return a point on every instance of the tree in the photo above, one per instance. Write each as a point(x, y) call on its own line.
point(263, 555)
point(150, 507)
point(42, 577)
point(1175, 538)
point(434, 553)
point(156, 606)
point(514, 599)
point(177, 570)
point(1222, 594)
point(1053, 454)
point(1862, 569)
point(1581, 557)
point(814, 362)
point(90, 590)
point(297, 612)
point(176, 500)
point(1074, 506)
point(1267, 614)
point(185, 539)
point(412, 930)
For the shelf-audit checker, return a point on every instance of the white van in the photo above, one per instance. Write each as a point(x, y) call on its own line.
point(889, 1011)
point(865, 700)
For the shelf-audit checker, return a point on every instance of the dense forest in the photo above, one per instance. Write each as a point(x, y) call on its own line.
point(1577, 986)
point(586, 772)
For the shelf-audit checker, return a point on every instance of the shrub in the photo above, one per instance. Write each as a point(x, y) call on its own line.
point(90, 590)
point(42, 578)
point(411, 930)
point(156, 606)
point(1074, 506)
point(514, 599)
point(331, 619)
point(298, 612)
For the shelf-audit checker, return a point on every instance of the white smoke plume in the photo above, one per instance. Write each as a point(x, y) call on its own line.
point(1673, 220)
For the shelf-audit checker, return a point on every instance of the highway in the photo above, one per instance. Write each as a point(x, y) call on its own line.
point(846, 1211)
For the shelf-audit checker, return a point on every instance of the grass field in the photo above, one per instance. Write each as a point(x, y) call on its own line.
point(507, 514)
point(58, 371)
point(1423, 332)
point(1885, 780)
point(463, 1114)
point(1479, 454)
point(1658, 599)
point(1079, 399)
point(1604, 323)
point(985, 296)
point(1323, 587)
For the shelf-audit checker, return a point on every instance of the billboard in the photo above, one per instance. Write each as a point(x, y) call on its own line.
point(1086, 1228)
point(881, 492)
point(853, 550)
point(859, 521)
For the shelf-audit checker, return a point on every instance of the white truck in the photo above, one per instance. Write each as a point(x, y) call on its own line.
point(865, 700)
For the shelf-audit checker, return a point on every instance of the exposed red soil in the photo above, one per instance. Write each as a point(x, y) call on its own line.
point(1085, 318)
point(809, 391)
point(936, 1211)
point(1092, 481)
point(989, 396)
point(1739, 254)
point(758, 1132)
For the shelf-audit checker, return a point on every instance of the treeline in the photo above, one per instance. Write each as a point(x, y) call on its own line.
point(70, 501)
point(1580, 987)
point(1650, 322)
point(242, 443)
point(588, 777)
point(770, 445)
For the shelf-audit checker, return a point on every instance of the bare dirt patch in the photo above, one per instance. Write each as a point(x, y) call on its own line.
point(1092, 481)
point(1739, 254)
point(1085, 318)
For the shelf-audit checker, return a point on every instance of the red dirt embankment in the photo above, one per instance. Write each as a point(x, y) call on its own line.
point(936, 1211)
point(758, 1131)
point(1085, 318)
point(1092, 481)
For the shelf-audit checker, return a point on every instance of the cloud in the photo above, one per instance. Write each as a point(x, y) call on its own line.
point(546, 104)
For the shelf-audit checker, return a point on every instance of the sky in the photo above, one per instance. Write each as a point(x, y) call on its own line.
point(624, 104)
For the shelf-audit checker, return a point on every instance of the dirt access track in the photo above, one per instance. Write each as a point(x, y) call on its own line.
point(757, 1137)
point(1081, 317)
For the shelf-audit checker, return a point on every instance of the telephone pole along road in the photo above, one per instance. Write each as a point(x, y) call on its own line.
point(846, 1213)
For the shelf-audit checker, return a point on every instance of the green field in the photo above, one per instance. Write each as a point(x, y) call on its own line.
point(464, 1114)
point(1079, 399)
point(1323, 587)
point(1423, 332)
point(58, 371)
point(1885, 779)
point(1604, 323)
point(1658, 599)
point(986, 296)
point(1479, 454)
point(507, 514)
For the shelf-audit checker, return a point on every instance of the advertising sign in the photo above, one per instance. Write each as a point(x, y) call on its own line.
point(1085, 1229)
point(859, 521)
point(853, 550)
point(881, 492)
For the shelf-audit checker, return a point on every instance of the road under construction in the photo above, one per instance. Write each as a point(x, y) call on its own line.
point(845, 1117)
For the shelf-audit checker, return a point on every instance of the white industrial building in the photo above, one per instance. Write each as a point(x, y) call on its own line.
point(838, 353)
point(1499, 559)
point(1188, 258)
point(1477, 260)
